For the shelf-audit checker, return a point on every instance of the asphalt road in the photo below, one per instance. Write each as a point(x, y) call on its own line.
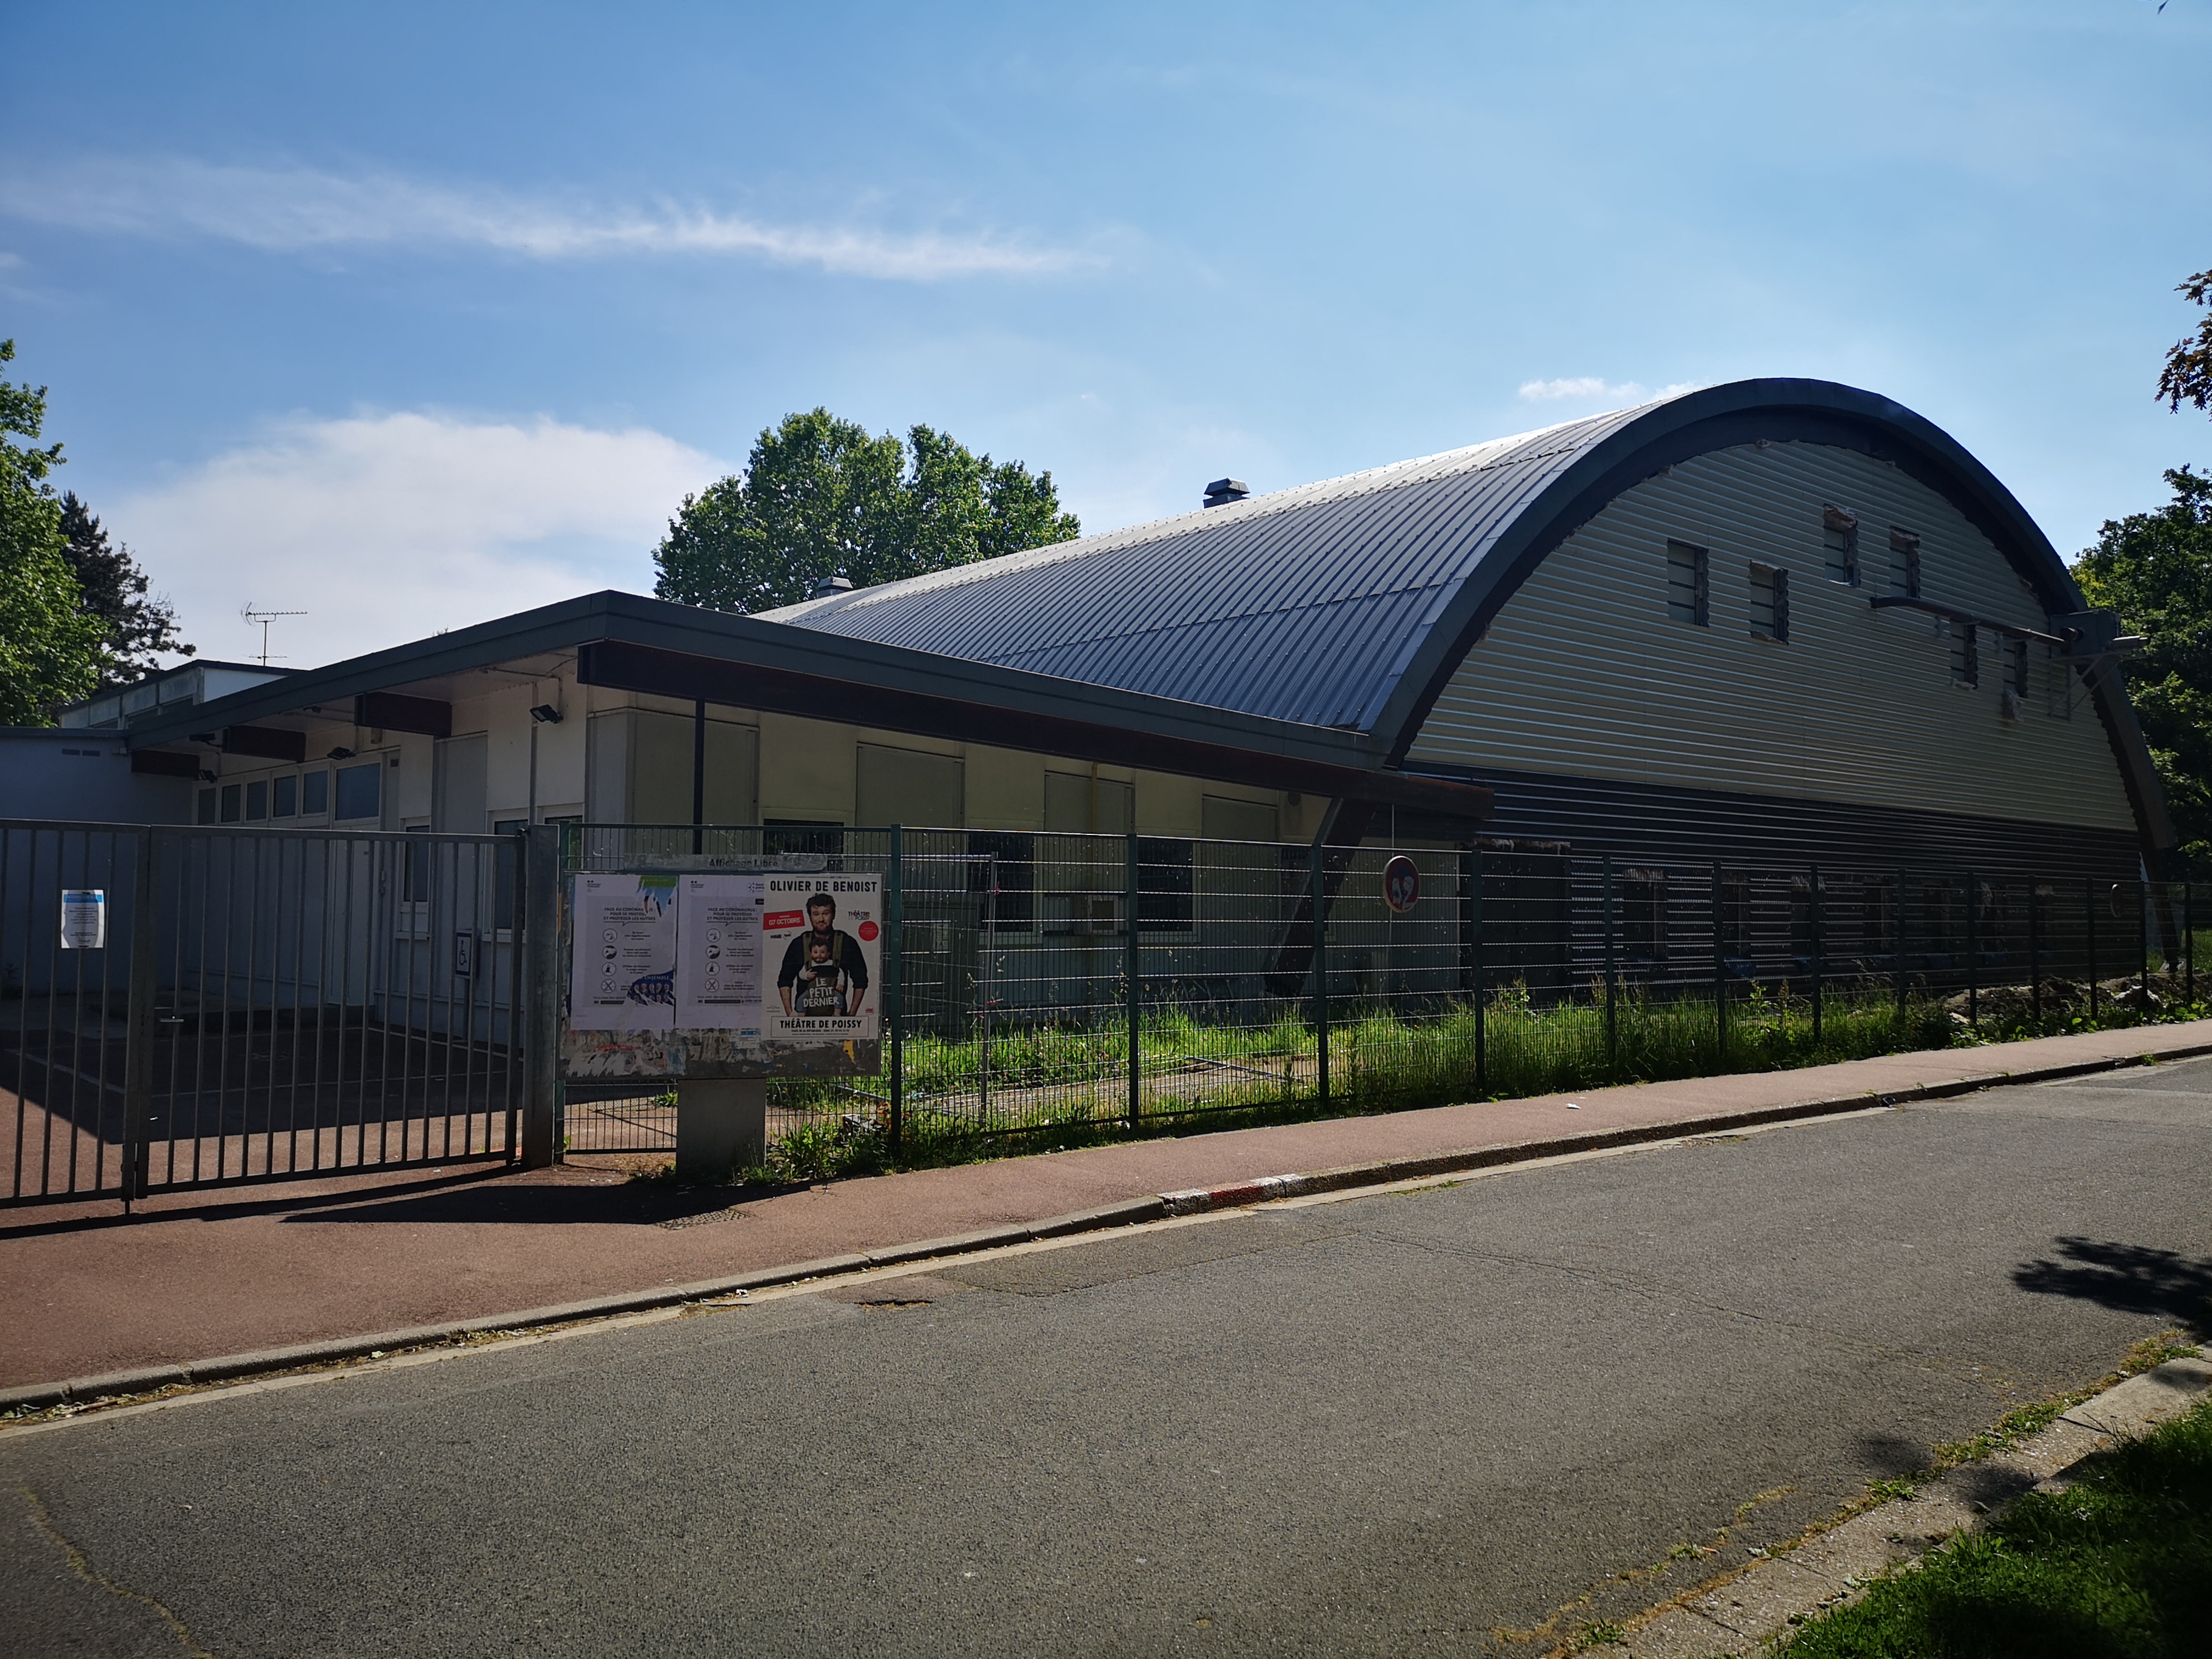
point(1400, 1425)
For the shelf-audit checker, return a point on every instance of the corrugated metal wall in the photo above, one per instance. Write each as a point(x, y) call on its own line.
point(1583, 672)
point(1691, 827)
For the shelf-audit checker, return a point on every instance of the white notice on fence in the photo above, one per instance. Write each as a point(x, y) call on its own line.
point(624, 971)
point(825, 934)
point(718, 975)
point(84, 919)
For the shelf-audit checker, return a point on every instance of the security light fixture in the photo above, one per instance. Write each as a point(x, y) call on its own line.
point(340, 753)
point(546, 714)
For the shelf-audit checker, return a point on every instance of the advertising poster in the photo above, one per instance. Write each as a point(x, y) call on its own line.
point(823, 938)
point(625, 970)
point(718, 965)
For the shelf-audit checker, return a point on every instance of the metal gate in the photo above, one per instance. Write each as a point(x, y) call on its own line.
point(187, 1007)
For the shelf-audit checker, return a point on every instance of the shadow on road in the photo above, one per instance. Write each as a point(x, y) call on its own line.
point(2125, 1278)
point(619, 1203)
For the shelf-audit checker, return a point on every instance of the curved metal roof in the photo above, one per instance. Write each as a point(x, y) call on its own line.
point(1349, 603)
point(1304, 605)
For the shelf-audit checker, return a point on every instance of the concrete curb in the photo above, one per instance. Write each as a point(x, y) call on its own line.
point(1197, 1200)
point(1759, 1604)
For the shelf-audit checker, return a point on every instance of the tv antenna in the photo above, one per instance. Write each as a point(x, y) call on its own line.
point(262, 619)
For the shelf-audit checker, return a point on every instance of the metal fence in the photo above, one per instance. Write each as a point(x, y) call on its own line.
point(1036, 982)
point(195, 1007)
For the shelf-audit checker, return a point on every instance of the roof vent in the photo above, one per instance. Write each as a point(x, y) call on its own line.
point(1222, 491)
point(829, 586)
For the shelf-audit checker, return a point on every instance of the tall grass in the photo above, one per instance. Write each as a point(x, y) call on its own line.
point(1041, 1084)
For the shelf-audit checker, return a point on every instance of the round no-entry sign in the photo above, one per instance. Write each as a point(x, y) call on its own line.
point(1401, 884)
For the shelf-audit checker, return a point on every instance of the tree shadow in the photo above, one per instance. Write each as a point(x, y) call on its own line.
point(2125, 1278)
point(630, 1203)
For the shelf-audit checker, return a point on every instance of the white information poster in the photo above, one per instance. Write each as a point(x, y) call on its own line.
point(824, 939)
point(718, 964)
point(625, 970)
point(84, 918)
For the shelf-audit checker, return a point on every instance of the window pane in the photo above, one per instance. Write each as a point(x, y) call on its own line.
point(502, 898)
point(1012, 904)
point(288, 797)
point(206, 813)
point(1164, 882)
point(415, 884)
point(359, 790)
point(230, 803)
point(315, 791)
point(257, 800)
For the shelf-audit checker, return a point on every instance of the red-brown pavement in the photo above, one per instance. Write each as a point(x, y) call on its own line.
point(196, 1275)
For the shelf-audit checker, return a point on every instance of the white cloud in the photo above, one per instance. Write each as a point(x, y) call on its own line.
point(300, 210)
point(388, 528)
point(1592, 388)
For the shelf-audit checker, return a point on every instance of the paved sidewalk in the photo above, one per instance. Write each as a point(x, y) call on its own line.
point(197, 1275)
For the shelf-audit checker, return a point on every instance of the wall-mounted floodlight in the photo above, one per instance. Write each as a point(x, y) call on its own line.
point(546, 714)
point(340, 753)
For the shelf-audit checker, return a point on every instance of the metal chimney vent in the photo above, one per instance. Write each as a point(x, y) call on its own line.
point(1222, 491)
point(828, 585)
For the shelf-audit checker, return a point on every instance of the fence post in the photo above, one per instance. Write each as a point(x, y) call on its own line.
point(2143, 940)
point(1318, 881)
point(2035, 952)
point(2089, 923)
point(894, 987)
point(1720, 979)
point(139, 1022)
point(1132, 973)
point(1481, 989)
point(1820, 945)
point(537, 996)
point(1973, 961)
point(1612, 1001)
point(1899, 945)
point(2189, 941)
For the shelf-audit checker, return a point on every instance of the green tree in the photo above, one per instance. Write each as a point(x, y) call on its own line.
point(2187, 378)
point(49, 647)
point(2155, 569)
point(139, 629)
point(820, 497)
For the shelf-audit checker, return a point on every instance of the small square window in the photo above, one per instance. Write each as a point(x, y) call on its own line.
point(285, 796)
point(1903, 563)
point(1689, 584)
point(1840, 544)
point(314, 793)
point(1770, 602)
point(231, 802)
point(257, 800)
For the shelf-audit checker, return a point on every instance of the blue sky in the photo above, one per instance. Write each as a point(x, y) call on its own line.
point(410, 315)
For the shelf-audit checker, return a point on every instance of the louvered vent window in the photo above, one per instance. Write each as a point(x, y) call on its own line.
point(2058, 685)
point(1903, 563)
point(2016, 666)
point(1839, 542)
point(1965, 653)
point(1770, 602)
point(1689, 585)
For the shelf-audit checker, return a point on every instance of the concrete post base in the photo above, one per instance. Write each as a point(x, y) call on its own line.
point(721, 1126)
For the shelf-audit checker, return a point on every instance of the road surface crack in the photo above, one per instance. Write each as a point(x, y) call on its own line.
point(82, 1568)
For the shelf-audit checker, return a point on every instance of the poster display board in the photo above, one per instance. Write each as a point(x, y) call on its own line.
point(724, 973)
